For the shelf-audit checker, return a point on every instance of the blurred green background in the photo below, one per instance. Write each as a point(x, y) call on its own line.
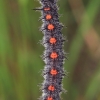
point(20, 50)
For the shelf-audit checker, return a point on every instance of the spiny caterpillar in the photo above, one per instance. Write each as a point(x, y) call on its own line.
point(54, 55)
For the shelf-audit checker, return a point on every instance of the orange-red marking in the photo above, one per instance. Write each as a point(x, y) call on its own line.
point(53, 55)
point(51, 88)
point(52, 40)
point(48, 17)
point(49, 98)
point(50, 27)
point(47, 9)
point(53, 71)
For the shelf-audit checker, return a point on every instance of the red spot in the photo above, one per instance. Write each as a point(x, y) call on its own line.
point(48, 17)
point(53, 71)
point(53, 55)
point(47, 9)
point(52, 40)
point(49, 98)
point(51, 88)
point(50, 27)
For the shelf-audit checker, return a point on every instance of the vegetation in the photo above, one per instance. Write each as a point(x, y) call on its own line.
point(20, 50)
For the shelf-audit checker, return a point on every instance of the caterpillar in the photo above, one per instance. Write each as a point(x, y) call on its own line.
point(54, 54)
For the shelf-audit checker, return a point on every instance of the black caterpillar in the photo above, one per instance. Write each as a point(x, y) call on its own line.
point(54, 55)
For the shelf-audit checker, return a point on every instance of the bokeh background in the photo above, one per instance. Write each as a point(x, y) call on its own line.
point(20, 50)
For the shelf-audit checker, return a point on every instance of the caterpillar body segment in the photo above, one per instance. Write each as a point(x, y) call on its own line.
point(53, 55)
